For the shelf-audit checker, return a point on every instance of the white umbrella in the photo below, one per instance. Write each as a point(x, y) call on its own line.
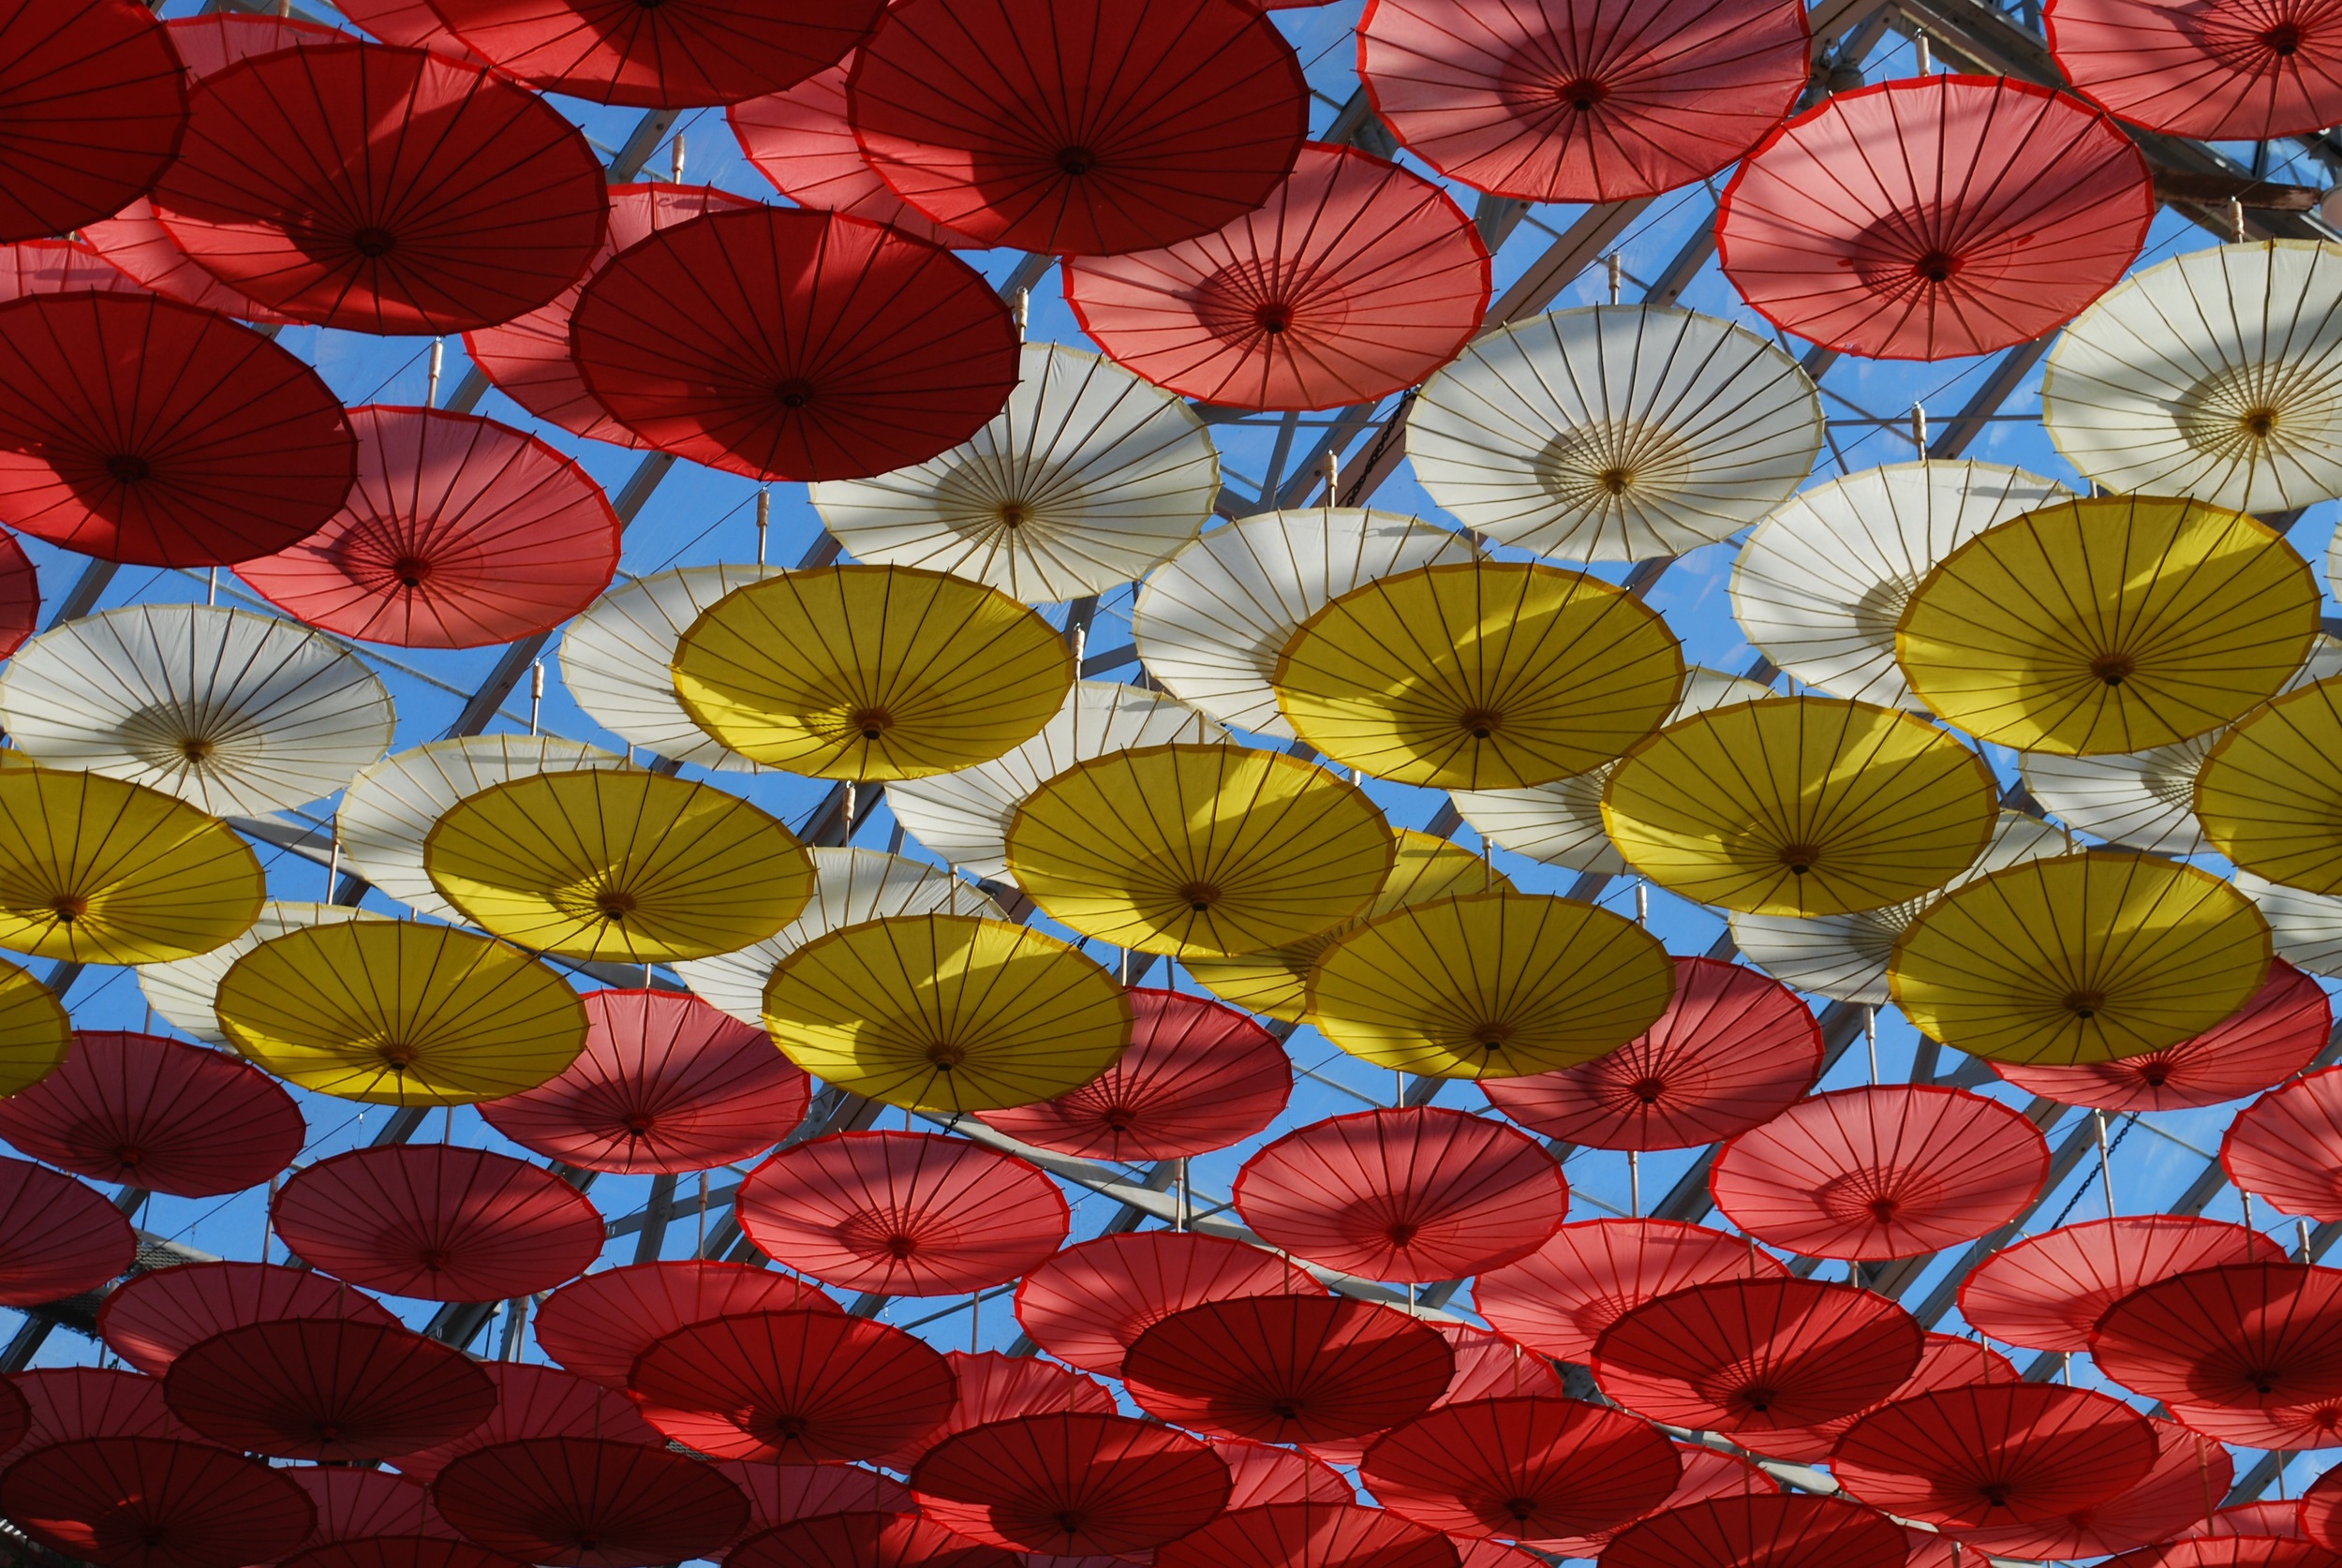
point(1820, 585)
point(963, 817)
point(616, 658)
point(1211, 621)
point(2217, 375)
point(390, 808)
point(1087, 480)
point(849, 888)
point(2305, 928)
point(1615, 433)
point(183, 991)
point(1561, 824)
point(227, 710)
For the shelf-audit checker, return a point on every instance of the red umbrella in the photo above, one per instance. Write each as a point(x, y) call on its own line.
point(2189, 1477)
point(1944, 1362)
point(679, 54)
point(20, 595)
point(2285, 1147)
point(803, 141)
point(154, 1503)
point(1773, 1531)
point(1417, 1193)
point(1288, 1368)
point(537, 1402)
point(459, 533)
point(381, 190)
point(1198, 1076)
point(2218, 72)
point(1487, 1367)
point(1072, 1484)
point(66, 1403)
point(438, 1222)
point(581, 1503)
point(208, 45)
point(2048, 1291)
point(92, 104)
point(2235, 1551)
point(1995, 1454)
point(794, 344)
point(1885, 1172)
point(780, 1494)
point(665, 1083)
point(355, 1504)
point(1086, 1305)
point(596, 1326)
point(327, 1389)
point(410, 24)
point(1357, 279)
point(2273, 1037)
point(399, 1551)
point(2271, 1517)
point(1572, 100)
point(152, 1317)
point(1532, 1469)
point(57, 1237)
point(2320, 1517)
point(2248, 1336)
point(528, 357)
point(1260, 1473)
point(1559, 1299)
point(142, 430)
point(2315, 1424)
point(1754, 1355)
point(995, 1388)
point(2004, 209)
point(1734, 1049)
point(1053, 126)
point(1309, 1535)
point(794, 1386)
point(902, 1213)
point(149, 1112)
point(1708, 1472)
point(59, 267)
point(866, 1540)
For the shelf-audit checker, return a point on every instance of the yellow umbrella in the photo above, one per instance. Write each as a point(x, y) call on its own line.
point(1801, 805)
point(947, 1013)
point(100, 870)
point(2270, 794)
point(870, 671)
point(1490, 985)
point(2113, 624)
point(1479, 676)
point(1275, 982)
point(2084, 958)
point(35, 1032)
point(617, 864)
point(394, 1013)
point(1199, 849)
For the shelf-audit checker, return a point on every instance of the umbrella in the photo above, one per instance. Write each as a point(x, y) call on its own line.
point(1533, 1470)
point(1089, 479)
point(994, 1387)
point(158, 1114)
point(1309, 1535)
point(333, 1389)
point(2048, 1291)
point(230, 711)
point(2222, 74)
point(1260, 1474)
point(512, 212)
point(596, 1326)
point(59, 1238)
point(153, 1317)
point(1487, 1367)
point(2266, 790)
point(2008, 209)
point(2173, 1496)
point(2255, 1335)
point(155, 1503)
point(2080, 959)
point(94, 103)
point(870, 671)
point(186, 991)
point(1563, 100)
point(358, 1505)
point(624, 865)
point(64, 1404)
point(394, 1013)
point(864, 1539)
point(1708, 1472)
point(35, 1032)
point(1088, 1304)
point(1353, 280)
point(701, 53)
point(618, 661)
point(1287, 1369)
point(1615, 433)
point(1944, 1362)
point(410, 24)
point(1764, 1531)
point(2279, 1147)
point(459, 533)
point(1995, 1454)
point(1176, 118)
point(780, 1494)
point(60, 267)
point(588, 1502)
point(1071, 1483)
point(802, 140)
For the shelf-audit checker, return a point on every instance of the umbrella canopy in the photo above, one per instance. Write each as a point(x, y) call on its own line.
point(1533, 1470)
point(2164, 1503)
point(701, 53)
point(64, 1404)
point(2219, 73)
point(1708, 1472)
point(724, 340)
point(459, 533)
point(186, 991)
point(1995, 1454)
point(58, 267)
point(597, 1325)
point(864, 1539)
point(2247, 1336)
point(781, 1494)
point(1487, 1367)
point(1089, 1304)
point(153, 1317)
point(94, 101)
point(2280, 1147)
point(57, 1237)
point(995, 1388)
point(1490, 985)
point(36, 1035)
point(1944, 1362)
point(394, 1013)
point(802, 140)
point(1309, 1535)
point(870, 671)
point(147, 430)
point(1089, 479)
point(1072, 1484)
point(2048, 1291)
point(2080, 959)
point(2013, 208)
point(1759, 1533)
point(1260, 1474)
point(902, 1213)
point(301, 185)
point(329, 1389)
point(1179, 116)
point(438, 1222)
point(155, 1503)
point(158, 1114)
point(1562, 101)
point(230, 711)
point(588, 1502)
point(1615, 433)
point(2266, 790)
point(357, 1505)
point(1287, 1369)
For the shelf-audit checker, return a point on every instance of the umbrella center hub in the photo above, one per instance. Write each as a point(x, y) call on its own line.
point(1481, 723)
point(1285, 1408)
point(68, 907)
point(130, 1154)
point(1400, 1232)
point(1119, 1118)
point(1076, 161)
point(1615, 480)
point(1601, 464)
point(128, 468)
point(793, 393)
point(2155, 1071)
point(1581, 93)
point(1199, 896)
point(1523, 1508)
point(1245, 301)
point(1758, 1398)
point(1648, 1090)
point(2084, 1004)
point(410, 571)
point(1491, 1036)
point(2283, 39)
point(373, 242)
point(615, 903)
point(946, 1054)
point(637, 1123)
point(1012, 514)
point(2113, 667)
point(2259, 421)
point(1801, 858)
point(398, 1055)
point(1069, 1520)
point(1935, 266)
point(871, 723)
point(1996, 1493)
point(1273, 319)
point(436, 1258)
